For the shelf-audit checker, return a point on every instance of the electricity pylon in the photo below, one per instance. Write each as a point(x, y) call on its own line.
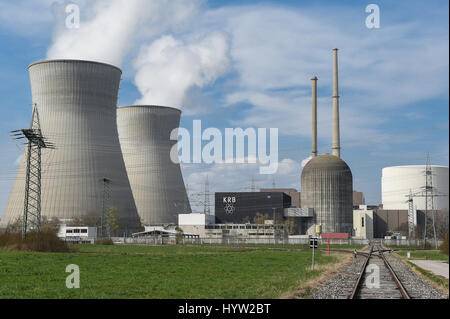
point(411, 216)
point(104, 224)
point(206, 208)
point(429, 192)
point(32, 202)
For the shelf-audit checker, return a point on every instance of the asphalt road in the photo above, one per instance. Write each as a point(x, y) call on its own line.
point(436, 266)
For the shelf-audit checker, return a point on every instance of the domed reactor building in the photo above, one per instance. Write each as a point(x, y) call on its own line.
point(85, 173)
point(326, 180)
point(157, 183)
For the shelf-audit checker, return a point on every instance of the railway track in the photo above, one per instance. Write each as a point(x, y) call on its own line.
point(368, 286)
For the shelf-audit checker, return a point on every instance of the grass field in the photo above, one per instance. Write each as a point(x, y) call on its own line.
point(138, 271)
point(441, 281)
point(425, 254)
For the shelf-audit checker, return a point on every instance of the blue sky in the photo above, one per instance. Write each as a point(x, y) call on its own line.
point(393, 80)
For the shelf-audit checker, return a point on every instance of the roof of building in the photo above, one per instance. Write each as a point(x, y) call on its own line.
point(326, 161)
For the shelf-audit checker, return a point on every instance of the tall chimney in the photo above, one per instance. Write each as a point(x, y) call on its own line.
point(336, 145)
point(314, 116)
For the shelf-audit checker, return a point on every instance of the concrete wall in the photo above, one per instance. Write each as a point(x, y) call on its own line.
point(363, 224)
point(358, 198)
point(295, 195)
point(390, 220)
point(327, 186)
point(156, 181)
point(77, 103)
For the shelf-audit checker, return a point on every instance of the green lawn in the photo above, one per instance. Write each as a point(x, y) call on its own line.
point(138, 271)
point(425, 254)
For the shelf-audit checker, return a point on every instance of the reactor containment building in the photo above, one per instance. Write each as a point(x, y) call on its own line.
point(326, 180)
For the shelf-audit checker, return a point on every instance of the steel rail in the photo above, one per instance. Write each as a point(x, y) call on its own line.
point(397, 281)
point(363, 270)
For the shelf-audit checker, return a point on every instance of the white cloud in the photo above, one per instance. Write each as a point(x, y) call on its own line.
point(276, 50)
point(167, 68)
point(26, 17)
point(110, 29)
point(237, 177)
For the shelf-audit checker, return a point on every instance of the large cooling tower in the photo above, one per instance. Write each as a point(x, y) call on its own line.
point(157, 182)
point(77, 103)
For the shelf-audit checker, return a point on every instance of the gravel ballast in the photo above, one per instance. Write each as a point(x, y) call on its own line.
point(340, 286)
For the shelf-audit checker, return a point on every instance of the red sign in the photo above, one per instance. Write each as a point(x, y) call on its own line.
point(334, 235)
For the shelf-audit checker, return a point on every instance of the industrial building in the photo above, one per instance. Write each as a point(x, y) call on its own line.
point(326, 180)
point(204, 226)
point(363, 222)
point(77, 234)
point(85, 173)
point(292, 192)
point(398, 181)
point(242, 207)
point(156, 181)
point(358, 199)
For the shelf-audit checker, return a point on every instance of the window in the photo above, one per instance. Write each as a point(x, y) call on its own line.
point(362, 221)
point(84, 231)
point(76, 230)
point(68, 231)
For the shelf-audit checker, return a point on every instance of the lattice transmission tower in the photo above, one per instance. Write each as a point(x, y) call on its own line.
point(429, 192)
point(206, 207)
point(411, 216)
point(104, 224)
point(35, 143)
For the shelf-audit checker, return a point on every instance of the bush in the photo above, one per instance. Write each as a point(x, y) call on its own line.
point(444, 246)
point(104, 241)
point(45, 241)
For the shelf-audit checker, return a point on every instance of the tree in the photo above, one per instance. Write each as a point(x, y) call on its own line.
point(14, 227)
point(246, 220)
point(179, 235)
point(111, 220)
point(290, 225)
point(260, 218)
point(444, 246)
point(50, 223)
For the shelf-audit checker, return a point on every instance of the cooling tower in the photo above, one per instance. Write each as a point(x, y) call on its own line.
point(77, 103)
point(157, 182)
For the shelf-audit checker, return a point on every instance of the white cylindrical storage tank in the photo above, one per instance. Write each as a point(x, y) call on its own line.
point(157, 183)
point(77, 103)
point(397, 181)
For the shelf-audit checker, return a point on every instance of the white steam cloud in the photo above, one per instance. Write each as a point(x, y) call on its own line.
point(109, 29)
point(167, 68)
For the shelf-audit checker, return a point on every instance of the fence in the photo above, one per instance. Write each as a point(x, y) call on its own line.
point(162, 240)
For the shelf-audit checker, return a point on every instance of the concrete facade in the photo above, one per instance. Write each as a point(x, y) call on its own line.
point(156, 181)
point(363, 223)
point(295, 195)
point(358, 199)
point(327, 187)
point(77, 103)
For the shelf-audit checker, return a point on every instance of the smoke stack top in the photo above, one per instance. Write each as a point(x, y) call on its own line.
point(336, 144)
